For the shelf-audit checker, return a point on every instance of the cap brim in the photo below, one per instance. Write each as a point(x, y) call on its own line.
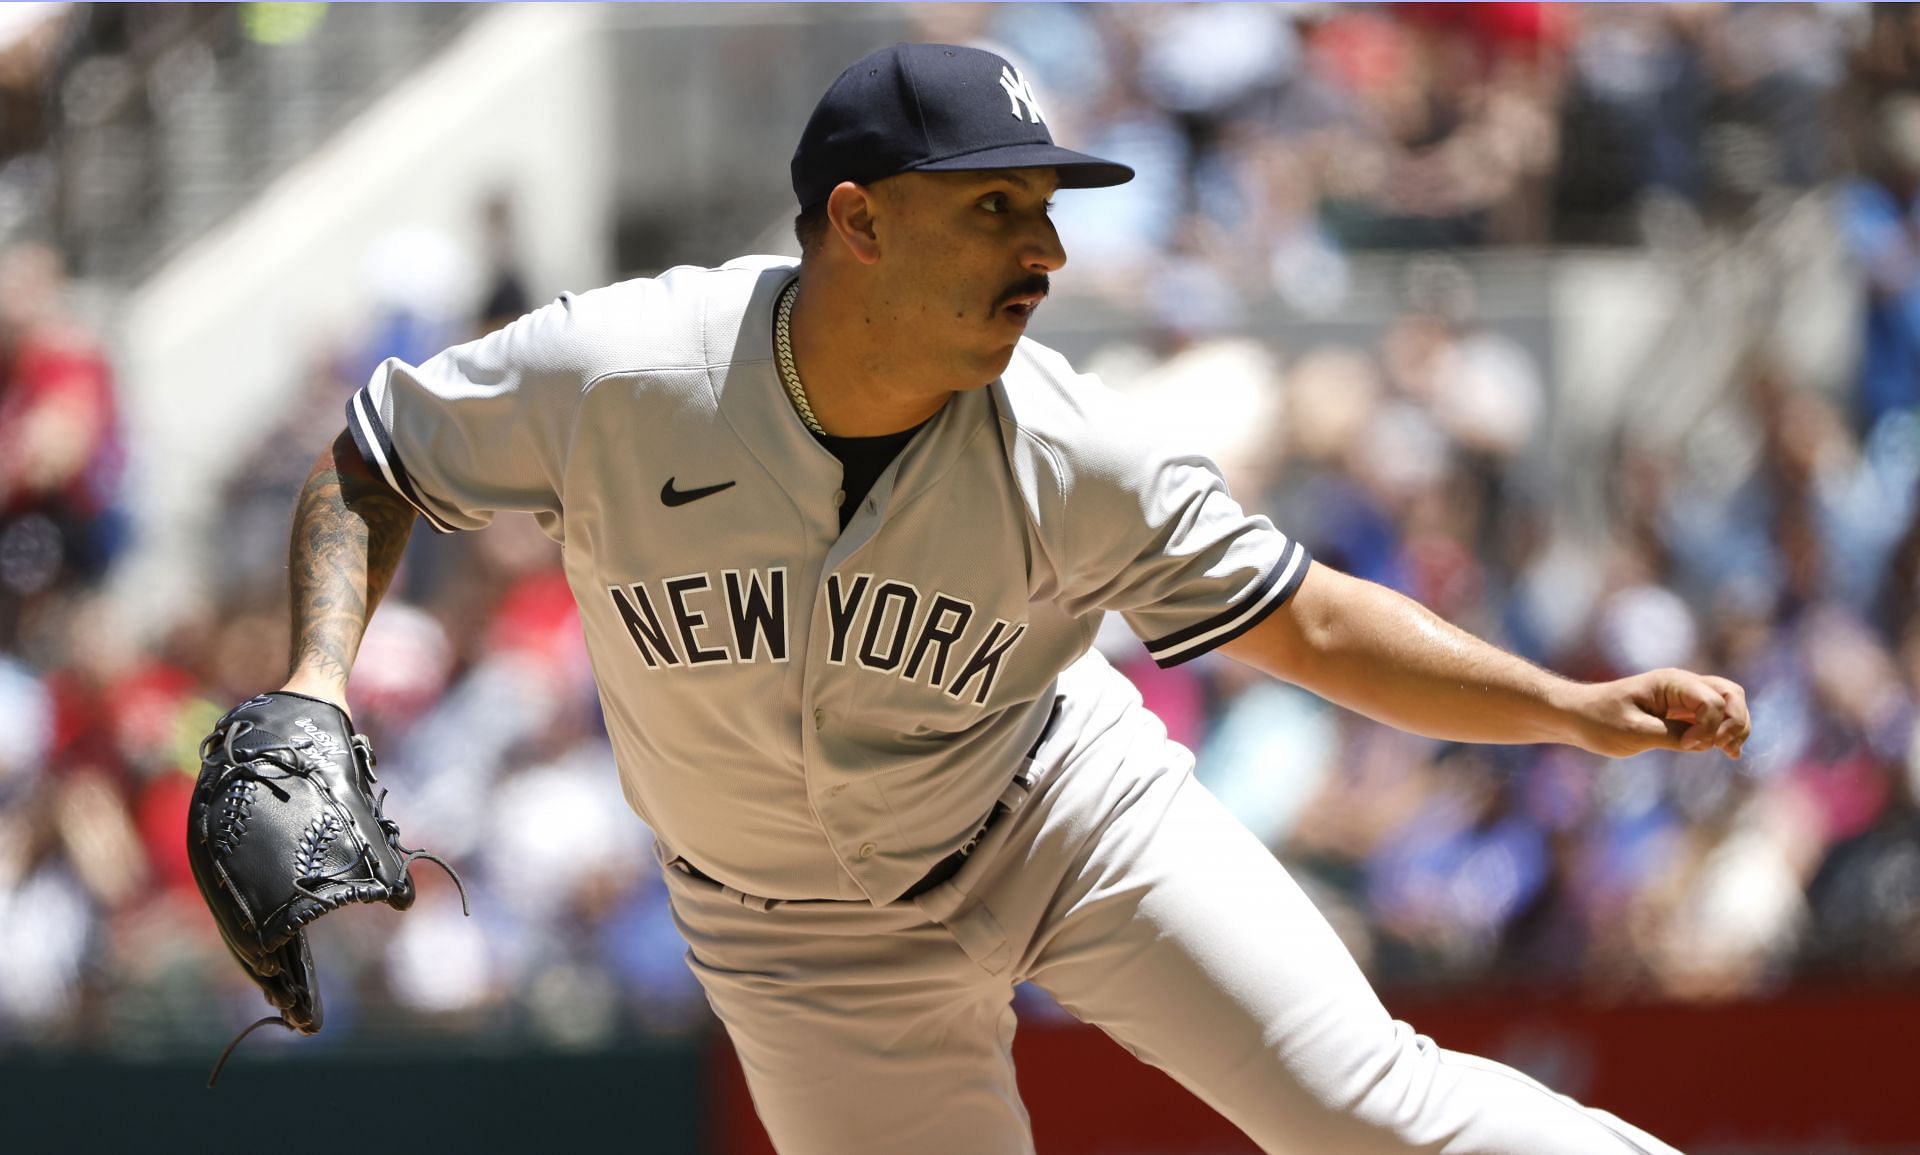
point(1075, 169)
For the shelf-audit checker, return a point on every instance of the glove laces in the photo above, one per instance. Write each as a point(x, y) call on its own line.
point(221, 1062)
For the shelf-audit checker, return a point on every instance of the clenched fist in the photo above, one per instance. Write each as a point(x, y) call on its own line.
point(1663, 710)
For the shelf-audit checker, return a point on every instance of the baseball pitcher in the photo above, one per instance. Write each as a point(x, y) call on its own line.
point(841, 537)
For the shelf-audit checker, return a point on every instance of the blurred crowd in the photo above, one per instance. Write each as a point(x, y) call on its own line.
point(1271, 141)
point(1780, 547)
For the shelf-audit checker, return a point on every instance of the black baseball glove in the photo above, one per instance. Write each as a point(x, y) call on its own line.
point(283, 828)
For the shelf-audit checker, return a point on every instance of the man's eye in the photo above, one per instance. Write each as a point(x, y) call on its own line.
point(997, 203)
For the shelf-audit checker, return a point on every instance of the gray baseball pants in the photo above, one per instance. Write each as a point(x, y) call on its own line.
point(1140, 904)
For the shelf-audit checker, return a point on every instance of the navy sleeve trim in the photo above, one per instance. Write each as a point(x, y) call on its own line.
point(363, 421)
point(1272, 592)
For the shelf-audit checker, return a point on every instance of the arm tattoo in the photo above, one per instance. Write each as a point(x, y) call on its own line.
point(348, 533)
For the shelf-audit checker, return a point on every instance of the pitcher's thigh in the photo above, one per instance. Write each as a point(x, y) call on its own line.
point(853, 1070)
point(1193, 947)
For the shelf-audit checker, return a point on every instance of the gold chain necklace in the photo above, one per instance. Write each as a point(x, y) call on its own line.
point(783, 347)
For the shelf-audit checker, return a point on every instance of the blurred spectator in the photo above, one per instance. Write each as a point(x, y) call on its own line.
point(60, 450)
point(47, 926)
point(1446, 885)
point(422, 286)
point(29, 38)
point(1886, 56)
point(26, 727)
point(1268, 749)
point(1881, 211)
point(505, 297)
point(1688, 114)
point(1633, 117)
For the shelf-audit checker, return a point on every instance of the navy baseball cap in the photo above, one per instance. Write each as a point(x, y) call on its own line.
point(932, 108)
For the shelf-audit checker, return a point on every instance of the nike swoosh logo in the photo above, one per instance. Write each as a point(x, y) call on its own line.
point(669, 496)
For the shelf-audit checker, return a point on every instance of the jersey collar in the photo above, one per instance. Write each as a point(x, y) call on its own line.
point(746, 382)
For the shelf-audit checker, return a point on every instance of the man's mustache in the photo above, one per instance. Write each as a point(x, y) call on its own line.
point(1037, 284)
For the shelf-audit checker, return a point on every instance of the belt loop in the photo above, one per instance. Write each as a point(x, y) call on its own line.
point(1022, 785)
point(750, 901)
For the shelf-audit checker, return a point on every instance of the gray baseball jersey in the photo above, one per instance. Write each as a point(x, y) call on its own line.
point(803, 712)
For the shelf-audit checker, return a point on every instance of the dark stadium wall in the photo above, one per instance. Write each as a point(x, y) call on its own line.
point(647, 1100)
point(1806, 1073)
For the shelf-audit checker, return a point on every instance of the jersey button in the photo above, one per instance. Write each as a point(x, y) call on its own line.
point(839, 498)
point(819, 719)
point(866, 850)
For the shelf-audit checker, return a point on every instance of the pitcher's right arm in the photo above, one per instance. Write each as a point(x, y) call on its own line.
point(349, 529)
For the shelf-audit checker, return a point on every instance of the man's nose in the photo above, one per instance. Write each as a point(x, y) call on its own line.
point(1043, 252)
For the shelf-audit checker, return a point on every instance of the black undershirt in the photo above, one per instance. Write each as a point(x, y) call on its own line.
point(863, 460)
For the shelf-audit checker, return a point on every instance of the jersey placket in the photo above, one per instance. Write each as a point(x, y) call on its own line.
point(850, 813)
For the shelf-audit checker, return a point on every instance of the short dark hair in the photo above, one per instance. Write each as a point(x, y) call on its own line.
point(810, 228)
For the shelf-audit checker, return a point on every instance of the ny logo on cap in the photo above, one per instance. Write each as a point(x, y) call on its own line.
point(1019, 92)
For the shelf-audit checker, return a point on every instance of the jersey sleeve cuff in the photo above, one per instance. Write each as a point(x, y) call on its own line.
point(1269, 595)
point(376, 446)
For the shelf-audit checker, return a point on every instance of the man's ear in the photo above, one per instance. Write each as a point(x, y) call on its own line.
point(851, 209)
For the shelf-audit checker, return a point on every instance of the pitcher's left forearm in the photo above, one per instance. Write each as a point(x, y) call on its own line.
point(1384, 655)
